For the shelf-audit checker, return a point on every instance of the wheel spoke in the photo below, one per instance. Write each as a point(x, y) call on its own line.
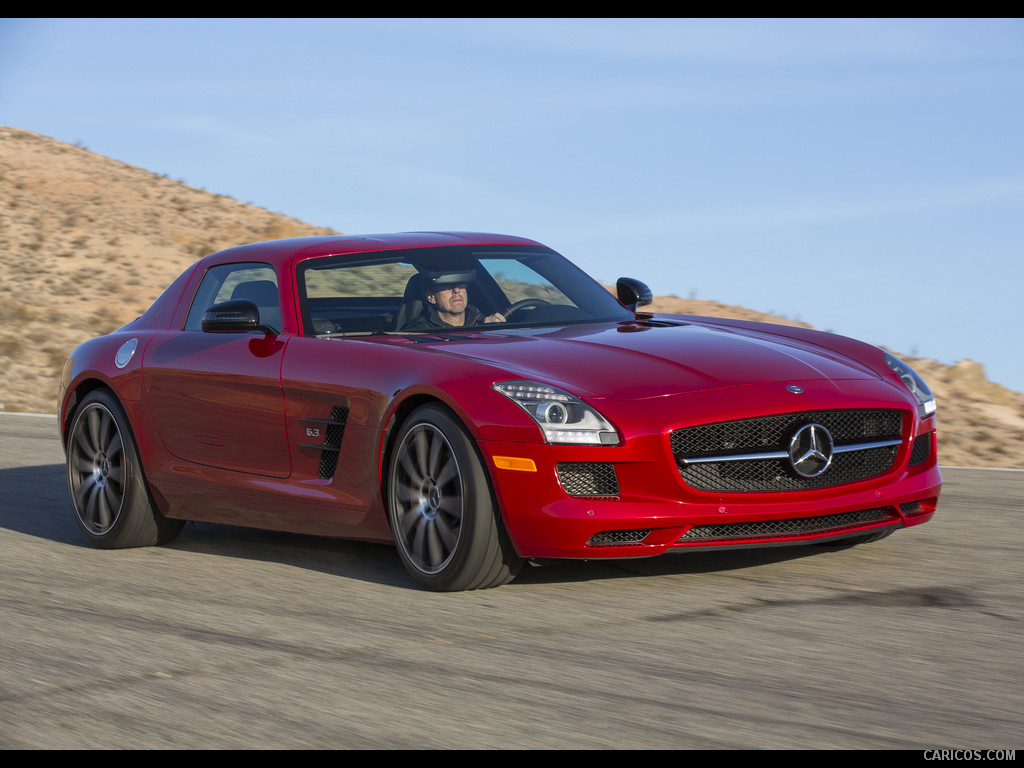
point(103, 511)
point(93, 425)
point(112, 498)
point(82, 441)
point(449, 472)
point(414, 475)
point(437, 551)
point(436, 444)
point(93, 502)
point(450, 506)
point(417, 546)
point(115, 447)
point(412, 518)
point(84, 493)
point(105, 426)
point(445, 534)
point(408, 495)
point(422, 449)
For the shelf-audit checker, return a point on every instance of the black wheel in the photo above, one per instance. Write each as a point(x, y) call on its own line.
point(108, 491)
point(446, 524)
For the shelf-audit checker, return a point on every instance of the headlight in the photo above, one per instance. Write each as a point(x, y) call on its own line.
point(563, 418)
point(916, 385)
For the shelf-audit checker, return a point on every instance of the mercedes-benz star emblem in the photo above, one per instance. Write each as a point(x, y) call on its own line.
point(810, 450)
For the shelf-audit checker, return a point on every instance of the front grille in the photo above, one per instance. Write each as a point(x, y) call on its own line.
point(771, 435)
point(588, 478)
point(766, 529)
point(757, 475)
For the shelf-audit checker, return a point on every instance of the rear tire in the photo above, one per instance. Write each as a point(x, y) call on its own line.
point(446, 524)
point(106, 485)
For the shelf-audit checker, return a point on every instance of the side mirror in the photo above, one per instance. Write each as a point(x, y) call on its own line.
point(633, 293)
point(235, 316)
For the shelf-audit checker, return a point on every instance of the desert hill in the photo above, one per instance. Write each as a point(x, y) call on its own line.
point(88, 242)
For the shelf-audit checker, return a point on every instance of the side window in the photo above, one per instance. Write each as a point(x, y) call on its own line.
point(351, 298)
point(252, 281)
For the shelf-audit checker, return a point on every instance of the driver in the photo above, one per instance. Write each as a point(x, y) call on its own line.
point(447, 303)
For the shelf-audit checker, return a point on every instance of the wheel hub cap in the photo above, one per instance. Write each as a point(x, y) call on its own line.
point(101, 470)
point(430, 496)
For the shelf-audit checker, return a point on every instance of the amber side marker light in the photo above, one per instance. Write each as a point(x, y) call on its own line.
point(512, 462)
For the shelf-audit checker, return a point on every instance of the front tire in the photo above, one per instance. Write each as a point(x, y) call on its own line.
point(446, 524)
point(108, 492)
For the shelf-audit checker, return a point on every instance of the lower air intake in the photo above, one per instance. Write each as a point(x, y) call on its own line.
point(588, 478)
point(766, 529)
point(618, 538)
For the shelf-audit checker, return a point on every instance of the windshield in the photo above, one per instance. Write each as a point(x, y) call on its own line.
point(431, 290)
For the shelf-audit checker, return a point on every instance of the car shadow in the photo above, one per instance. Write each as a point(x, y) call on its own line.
point(35, 504)
point(673, 563)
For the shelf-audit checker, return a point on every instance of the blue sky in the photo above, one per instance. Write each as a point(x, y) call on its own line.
point(864, 176)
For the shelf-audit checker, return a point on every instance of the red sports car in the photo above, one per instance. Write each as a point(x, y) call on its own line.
point(479, 401)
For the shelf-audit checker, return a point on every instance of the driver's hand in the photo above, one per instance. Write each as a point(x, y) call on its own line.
point(497, 317)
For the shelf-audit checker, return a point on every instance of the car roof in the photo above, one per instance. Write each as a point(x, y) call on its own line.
point(282, 252)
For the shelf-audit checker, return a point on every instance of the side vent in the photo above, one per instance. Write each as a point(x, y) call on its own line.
point(333, 429)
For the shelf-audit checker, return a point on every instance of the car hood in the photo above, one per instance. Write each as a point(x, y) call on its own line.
point(629, 361)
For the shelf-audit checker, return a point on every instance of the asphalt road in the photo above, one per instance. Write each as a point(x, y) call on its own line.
point(231, 638)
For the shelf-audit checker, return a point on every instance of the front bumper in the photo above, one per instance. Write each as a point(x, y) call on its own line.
point(630, 500)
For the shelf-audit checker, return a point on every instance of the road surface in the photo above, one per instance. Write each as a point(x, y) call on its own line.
point(233, 638)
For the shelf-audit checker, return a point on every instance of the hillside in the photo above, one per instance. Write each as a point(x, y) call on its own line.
point(87, 243)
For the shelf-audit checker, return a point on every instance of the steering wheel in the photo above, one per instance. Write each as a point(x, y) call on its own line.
point(524, 304)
